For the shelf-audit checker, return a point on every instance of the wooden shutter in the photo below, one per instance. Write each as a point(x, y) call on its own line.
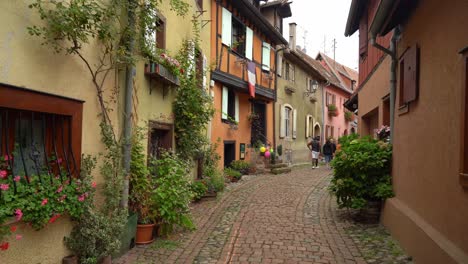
point(363, 35)
point(327, 99)
point(409, 79)
point(204, 70)
point(307, 126)
point(334, 99)
point(294, 125)
point(282, 122)
point(249, 43)
point(266, 56)
point(293, 73)
point(224, 107)
point(236, 114)
point(226, 36)
point(279, 65)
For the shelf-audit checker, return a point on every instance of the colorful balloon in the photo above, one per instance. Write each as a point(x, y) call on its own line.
point(262, 149)
point(267, 154)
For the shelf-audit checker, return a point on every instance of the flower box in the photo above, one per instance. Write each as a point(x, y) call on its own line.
point(159, 71)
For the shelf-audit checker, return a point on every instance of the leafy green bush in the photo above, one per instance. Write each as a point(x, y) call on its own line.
point(199, 189)
point(346, 140)
point(279, 150)
point(240, 166)
point(173, 193)
point(361, 172)
point(140, 200)
point(213, 176)
point(232, 174)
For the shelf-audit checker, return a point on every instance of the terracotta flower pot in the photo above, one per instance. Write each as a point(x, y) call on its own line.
point(70, 260)
point(144, 234)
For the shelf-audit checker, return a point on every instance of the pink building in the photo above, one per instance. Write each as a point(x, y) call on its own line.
point(337, 120)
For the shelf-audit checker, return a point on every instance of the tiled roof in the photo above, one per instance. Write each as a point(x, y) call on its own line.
point(336, 68)
point(331, 78)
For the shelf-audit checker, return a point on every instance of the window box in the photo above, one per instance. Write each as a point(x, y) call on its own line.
point(289, 89)
point(332, 110)
point(313, 99)
point(162, 73)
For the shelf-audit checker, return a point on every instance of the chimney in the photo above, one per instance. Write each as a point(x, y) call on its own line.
point(292, 36)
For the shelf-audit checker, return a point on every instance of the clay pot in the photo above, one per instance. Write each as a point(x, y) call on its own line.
point(70, 260)
point(144, 234)
point(106, 260)
point(371, 213)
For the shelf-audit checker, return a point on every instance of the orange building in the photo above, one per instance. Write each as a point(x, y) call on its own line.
point(242, 36)
point(414, 77)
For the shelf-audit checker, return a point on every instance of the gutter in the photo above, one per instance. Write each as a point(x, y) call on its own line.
point(392, 52)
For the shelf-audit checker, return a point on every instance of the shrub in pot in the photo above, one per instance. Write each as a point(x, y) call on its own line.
point(199, 189)
point(240, 166)
point(172, 194)
point(232, 174)
point(362, 173)
point(140, 200)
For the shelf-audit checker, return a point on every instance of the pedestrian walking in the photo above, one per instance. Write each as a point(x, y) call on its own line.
point(328, 152)
point(314, 146)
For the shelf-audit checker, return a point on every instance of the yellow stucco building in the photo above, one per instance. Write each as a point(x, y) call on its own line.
point(58, 87)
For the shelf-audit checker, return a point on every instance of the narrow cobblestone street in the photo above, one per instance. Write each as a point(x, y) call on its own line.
point(287, 218)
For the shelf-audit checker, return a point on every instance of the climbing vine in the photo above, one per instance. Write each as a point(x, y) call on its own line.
point(192, 107)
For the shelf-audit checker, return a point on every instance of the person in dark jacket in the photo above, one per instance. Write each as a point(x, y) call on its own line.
point(314, 146)
point(328, 152)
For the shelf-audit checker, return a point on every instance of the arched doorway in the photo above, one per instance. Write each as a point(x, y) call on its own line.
point(345, 132)
point(317, 130)
point(353, 131)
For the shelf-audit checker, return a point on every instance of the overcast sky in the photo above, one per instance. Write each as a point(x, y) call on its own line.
point(319, 19)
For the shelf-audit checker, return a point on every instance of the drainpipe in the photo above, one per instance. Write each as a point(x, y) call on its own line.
point(276, 96)
point(322, 131)
point(392, 52)
point(128, 107)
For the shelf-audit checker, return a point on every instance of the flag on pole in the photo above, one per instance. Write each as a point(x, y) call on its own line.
point(251, 76)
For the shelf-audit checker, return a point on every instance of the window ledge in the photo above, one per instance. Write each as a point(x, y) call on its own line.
point(403, 109)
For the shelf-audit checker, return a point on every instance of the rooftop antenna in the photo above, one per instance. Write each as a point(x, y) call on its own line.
point(334, 51)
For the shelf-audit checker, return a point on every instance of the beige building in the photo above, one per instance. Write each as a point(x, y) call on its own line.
point(299, 105)
point(55, 91)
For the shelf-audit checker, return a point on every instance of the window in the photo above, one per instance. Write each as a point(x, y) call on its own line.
point(230, 106)
point(464, 134)
point(266, 56)
point(286, 71)
point(287, 121)
point(330, 99)
point(161, 33)
point(288, 124)
point(238, 36)
point(409, 76)
point(309, 126)
point(199, 4)
point(42, 133)
point(160, 138)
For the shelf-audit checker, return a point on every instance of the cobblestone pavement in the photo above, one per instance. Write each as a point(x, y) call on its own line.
point(287, 218)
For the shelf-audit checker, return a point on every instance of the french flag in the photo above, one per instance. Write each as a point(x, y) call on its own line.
point(251, 77)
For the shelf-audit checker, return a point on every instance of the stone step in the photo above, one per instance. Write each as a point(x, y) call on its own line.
point(278, 165)
point(281, 170)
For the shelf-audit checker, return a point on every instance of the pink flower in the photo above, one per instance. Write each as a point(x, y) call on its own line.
point(81, 198)
point(93, 184)
point(17, 178)
point(13, 229)
point(59, 190)
point(6, 158)
point(3, 174)
point(19, 237)
point(54, 218)
point(4, 187)
point(4, 245)
point(18, 214)
point(62, 198)
point(44, 202)
point(59, 160)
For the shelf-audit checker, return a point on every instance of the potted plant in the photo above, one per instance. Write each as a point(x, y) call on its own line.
point(348, 116)
point(240, 166)
point(252, 117)
point(232, 174)
point(362, 175)
point(332, 110)
point(140, 200)
point(199, 189)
